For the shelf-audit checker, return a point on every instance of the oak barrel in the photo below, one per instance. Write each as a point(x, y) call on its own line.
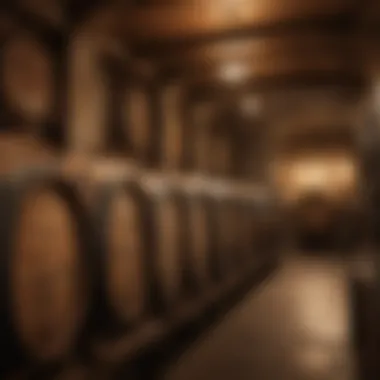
point(227, 226)
point(244, 230)
point(199, 240)
point(166, 229)
point(137, 120)
point(120, 218)
point(260, 231)
point(27, 78)
point(268, 242)
point(217, 266)
point(45, 272)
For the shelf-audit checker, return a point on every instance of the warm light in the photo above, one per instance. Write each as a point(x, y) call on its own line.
point(344, 171)
point(333, 175)
point(310, 175)
point(233, 72)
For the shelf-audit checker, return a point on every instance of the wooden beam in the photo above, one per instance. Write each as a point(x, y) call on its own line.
point(274, 69)
point(262, 53)
point(249, 47)
point(347, 82)
point(335, 25)
point(165, 22)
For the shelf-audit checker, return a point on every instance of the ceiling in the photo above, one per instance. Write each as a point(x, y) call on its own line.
point(306, 63)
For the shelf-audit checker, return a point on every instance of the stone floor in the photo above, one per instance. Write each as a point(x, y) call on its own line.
point(294, 327)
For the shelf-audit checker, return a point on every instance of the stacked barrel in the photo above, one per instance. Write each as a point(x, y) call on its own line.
point(116, 232)
point(133, 191)
point(147, 255)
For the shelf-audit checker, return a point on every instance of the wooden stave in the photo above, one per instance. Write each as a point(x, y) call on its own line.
point(135, 115)
point(274, 240)
point(105, 317)
point(254, 244)
point(260, 241)
point(199, 282)
point(215, 253)
point(239, 246)
point(266, 233)
point(244, 237)
point(162, 303)
point(145, 143)
point(226, 237)
point(129, 97)
point(15, 188)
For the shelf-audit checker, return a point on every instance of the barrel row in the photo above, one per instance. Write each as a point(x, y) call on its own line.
point(72, 92)
point(76, 273)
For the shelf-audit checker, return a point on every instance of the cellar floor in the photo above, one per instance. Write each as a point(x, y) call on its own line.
point(294, 327)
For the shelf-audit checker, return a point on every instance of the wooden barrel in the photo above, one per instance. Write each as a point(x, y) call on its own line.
point(137, 120)
point(257, 216)
point(268, 242)
point(198, 240)
point(216, 262)
point(44, 272)
point(257, 230)
point(27, 79)
point(244, 234)
point(120, 213)
point(254, 233)
point(227, 242)
point(166, 230)
point(238, 233)
point(172, 98)
point(221, 157)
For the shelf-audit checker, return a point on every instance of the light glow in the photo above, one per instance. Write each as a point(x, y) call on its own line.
point(334, 176)
point(233, 72)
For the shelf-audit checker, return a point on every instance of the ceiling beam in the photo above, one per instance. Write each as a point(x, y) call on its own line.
point(346, 82)
point(195, 19)
point(259, 50)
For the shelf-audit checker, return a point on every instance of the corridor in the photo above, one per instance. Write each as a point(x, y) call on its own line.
point(294, 327)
